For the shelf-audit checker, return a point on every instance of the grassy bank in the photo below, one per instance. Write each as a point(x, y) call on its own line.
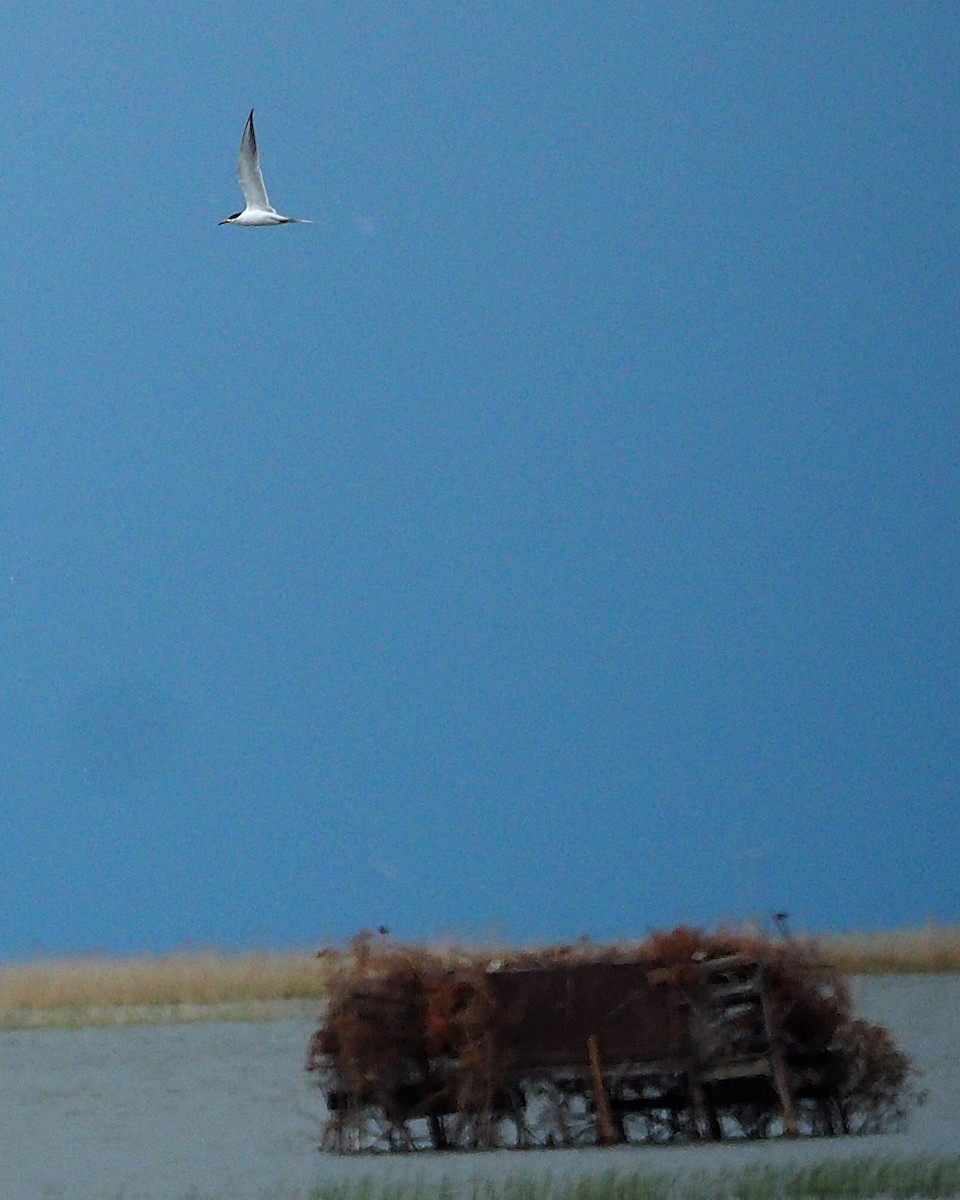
point(204, 985)
point(930, 950)
point(145, 988)
point(849, 1179)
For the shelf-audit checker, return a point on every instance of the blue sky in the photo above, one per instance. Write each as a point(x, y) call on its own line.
point(558, 536)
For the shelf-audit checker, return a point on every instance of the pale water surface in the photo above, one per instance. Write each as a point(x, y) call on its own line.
point(225, 1110)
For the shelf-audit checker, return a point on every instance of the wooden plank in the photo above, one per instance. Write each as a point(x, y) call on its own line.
point(782, 1083)
point(781, 1079)
point(607, 1130)
point(748, 1069)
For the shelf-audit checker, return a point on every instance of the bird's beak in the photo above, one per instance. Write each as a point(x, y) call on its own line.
point(226, 222)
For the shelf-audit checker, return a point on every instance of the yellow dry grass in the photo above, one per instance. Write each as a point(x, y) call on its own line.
point(186, 978)
point(929, 950)
point(189, 984)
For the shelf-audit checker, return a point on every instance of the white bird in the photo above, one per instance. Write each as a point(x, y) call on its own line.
point(259, 210)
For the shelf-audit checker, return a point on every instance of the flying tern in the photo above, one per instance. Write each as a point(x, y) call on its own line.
point(259, 210)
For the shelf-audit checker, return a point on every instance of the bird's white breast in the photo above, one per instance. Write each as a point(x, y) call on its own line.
point(258, 216)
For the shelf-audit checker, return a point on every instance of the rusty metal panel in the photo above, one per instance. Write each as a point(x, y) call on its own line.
point(546, 1015)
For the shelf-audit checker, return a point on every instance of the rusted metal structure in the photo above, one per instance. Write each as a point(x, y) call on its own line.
point(583, 1052)
point(623, 1053)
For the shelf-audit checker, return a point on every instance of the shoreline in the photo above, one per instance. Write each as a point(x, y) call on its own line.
point(130, 1016)
point(192, 986)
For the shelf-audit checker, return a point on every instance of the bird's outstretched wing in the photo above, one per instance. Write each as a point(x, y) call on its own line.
point(248, 169)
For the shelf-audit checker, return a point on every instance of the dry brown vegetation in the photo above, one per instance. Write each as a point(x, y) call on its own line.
point(930, 950)
point(61, 990)
point(88, 990)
